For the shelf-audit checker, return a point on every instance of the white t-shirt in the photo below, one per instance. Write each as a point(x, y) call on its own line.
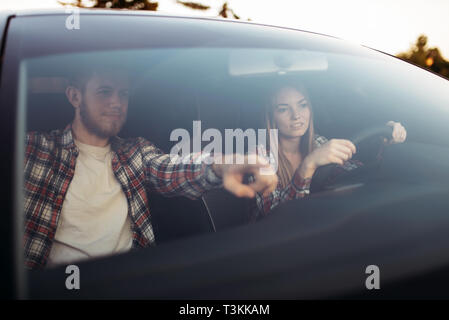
point(94, 219)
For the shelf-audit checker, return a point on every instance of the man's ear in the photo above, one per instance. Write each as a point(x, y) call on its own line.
point(73, 94)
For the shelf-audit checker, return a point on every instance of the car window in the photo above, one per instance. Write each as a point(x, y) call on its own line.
point(223, 82)
point(346, 91)
point(348, 84)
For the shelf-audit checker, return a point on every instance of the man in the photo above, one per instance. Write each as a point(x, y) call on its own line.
point(86, 188)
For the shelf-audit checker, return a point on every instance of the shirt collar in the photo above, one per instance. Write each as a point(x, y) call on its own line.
point(67, 140)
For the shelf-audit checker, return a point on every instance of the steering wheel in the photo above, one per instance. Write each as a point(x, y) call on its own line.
point(323, 173)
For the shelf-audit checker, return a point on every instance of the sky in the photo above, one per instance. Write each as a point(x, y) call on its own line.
point(390, 26)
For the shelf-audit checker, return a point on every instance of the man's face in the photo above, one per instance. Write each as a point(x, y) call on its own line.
point(104, 104)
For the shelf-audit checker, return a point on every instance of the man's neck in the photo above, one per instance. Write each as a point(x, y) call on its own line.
point(81, 134)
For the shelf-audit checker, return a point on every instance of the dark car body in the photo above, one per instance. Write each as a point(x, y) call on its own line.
point(394, 215)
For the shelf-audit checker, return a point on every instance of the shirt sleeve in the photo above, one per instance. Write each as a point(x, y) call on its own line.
point(296, 189)
point(337, 170)
point(171, 175)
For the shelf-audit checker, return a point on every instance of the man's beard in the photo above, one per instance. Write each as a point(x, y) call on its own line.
point(99, 129)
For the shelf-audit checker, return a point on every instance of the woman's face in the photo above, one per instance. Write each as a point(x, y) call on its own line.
point(291, 113)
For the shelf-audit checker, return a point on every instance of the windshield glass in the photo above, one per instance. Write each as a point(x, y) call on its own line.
point(228, 87)
point(195, 96)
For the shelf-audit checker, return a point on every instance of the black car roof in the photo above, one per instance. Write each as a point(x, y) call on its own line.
point(4, 15)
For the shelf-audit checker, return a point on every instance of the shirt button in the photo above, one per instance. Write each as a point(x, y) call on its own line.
point(59, 197)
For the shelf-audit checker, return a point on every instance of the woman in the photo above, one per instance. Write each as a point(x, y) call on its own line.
point(300, 151)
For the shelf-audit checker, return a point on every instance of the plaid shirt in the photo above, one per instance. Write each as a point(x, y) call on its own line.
point(296, 189)
point(137, 164)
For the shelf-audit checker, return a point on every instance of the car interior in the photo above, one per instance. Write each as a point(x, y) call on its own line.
point(154, 111)
point(179, 86)
point(204, 90)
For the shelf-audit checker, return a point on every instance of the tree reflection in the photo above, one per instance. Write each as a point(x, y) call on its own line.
point(225, 11)
point(429, 58)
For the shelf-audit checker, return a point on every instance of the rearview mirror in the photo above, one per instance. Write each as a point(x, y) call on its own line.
point(267, 61)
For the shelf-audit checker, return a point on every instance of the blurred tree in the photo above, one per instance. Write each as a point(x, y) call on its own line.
point(145, 5)
point(194, 5)
point(224, 11)
point(114, 4)
point(419, 51)
point(429, 58)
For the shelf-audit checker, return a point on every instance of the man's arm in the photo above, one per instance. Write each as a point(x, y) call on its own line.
point(194, 174)
point(171, 176)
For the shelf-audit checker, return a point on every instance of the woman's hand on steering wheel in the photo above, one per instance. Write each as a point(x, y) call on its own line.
point(393, 132)
point(334, 151)
point(399, 133)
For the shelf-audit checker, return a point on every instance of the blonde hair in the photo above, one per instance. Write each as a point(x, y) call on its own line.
point(285, 170)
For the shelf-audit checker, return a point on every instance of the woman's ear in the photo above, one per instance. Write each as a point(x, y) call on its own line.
point(73, 94)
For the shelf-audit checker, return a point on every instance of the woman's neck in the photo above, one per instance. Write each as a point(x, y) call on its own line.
point(290, 145)
point(290, 150)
